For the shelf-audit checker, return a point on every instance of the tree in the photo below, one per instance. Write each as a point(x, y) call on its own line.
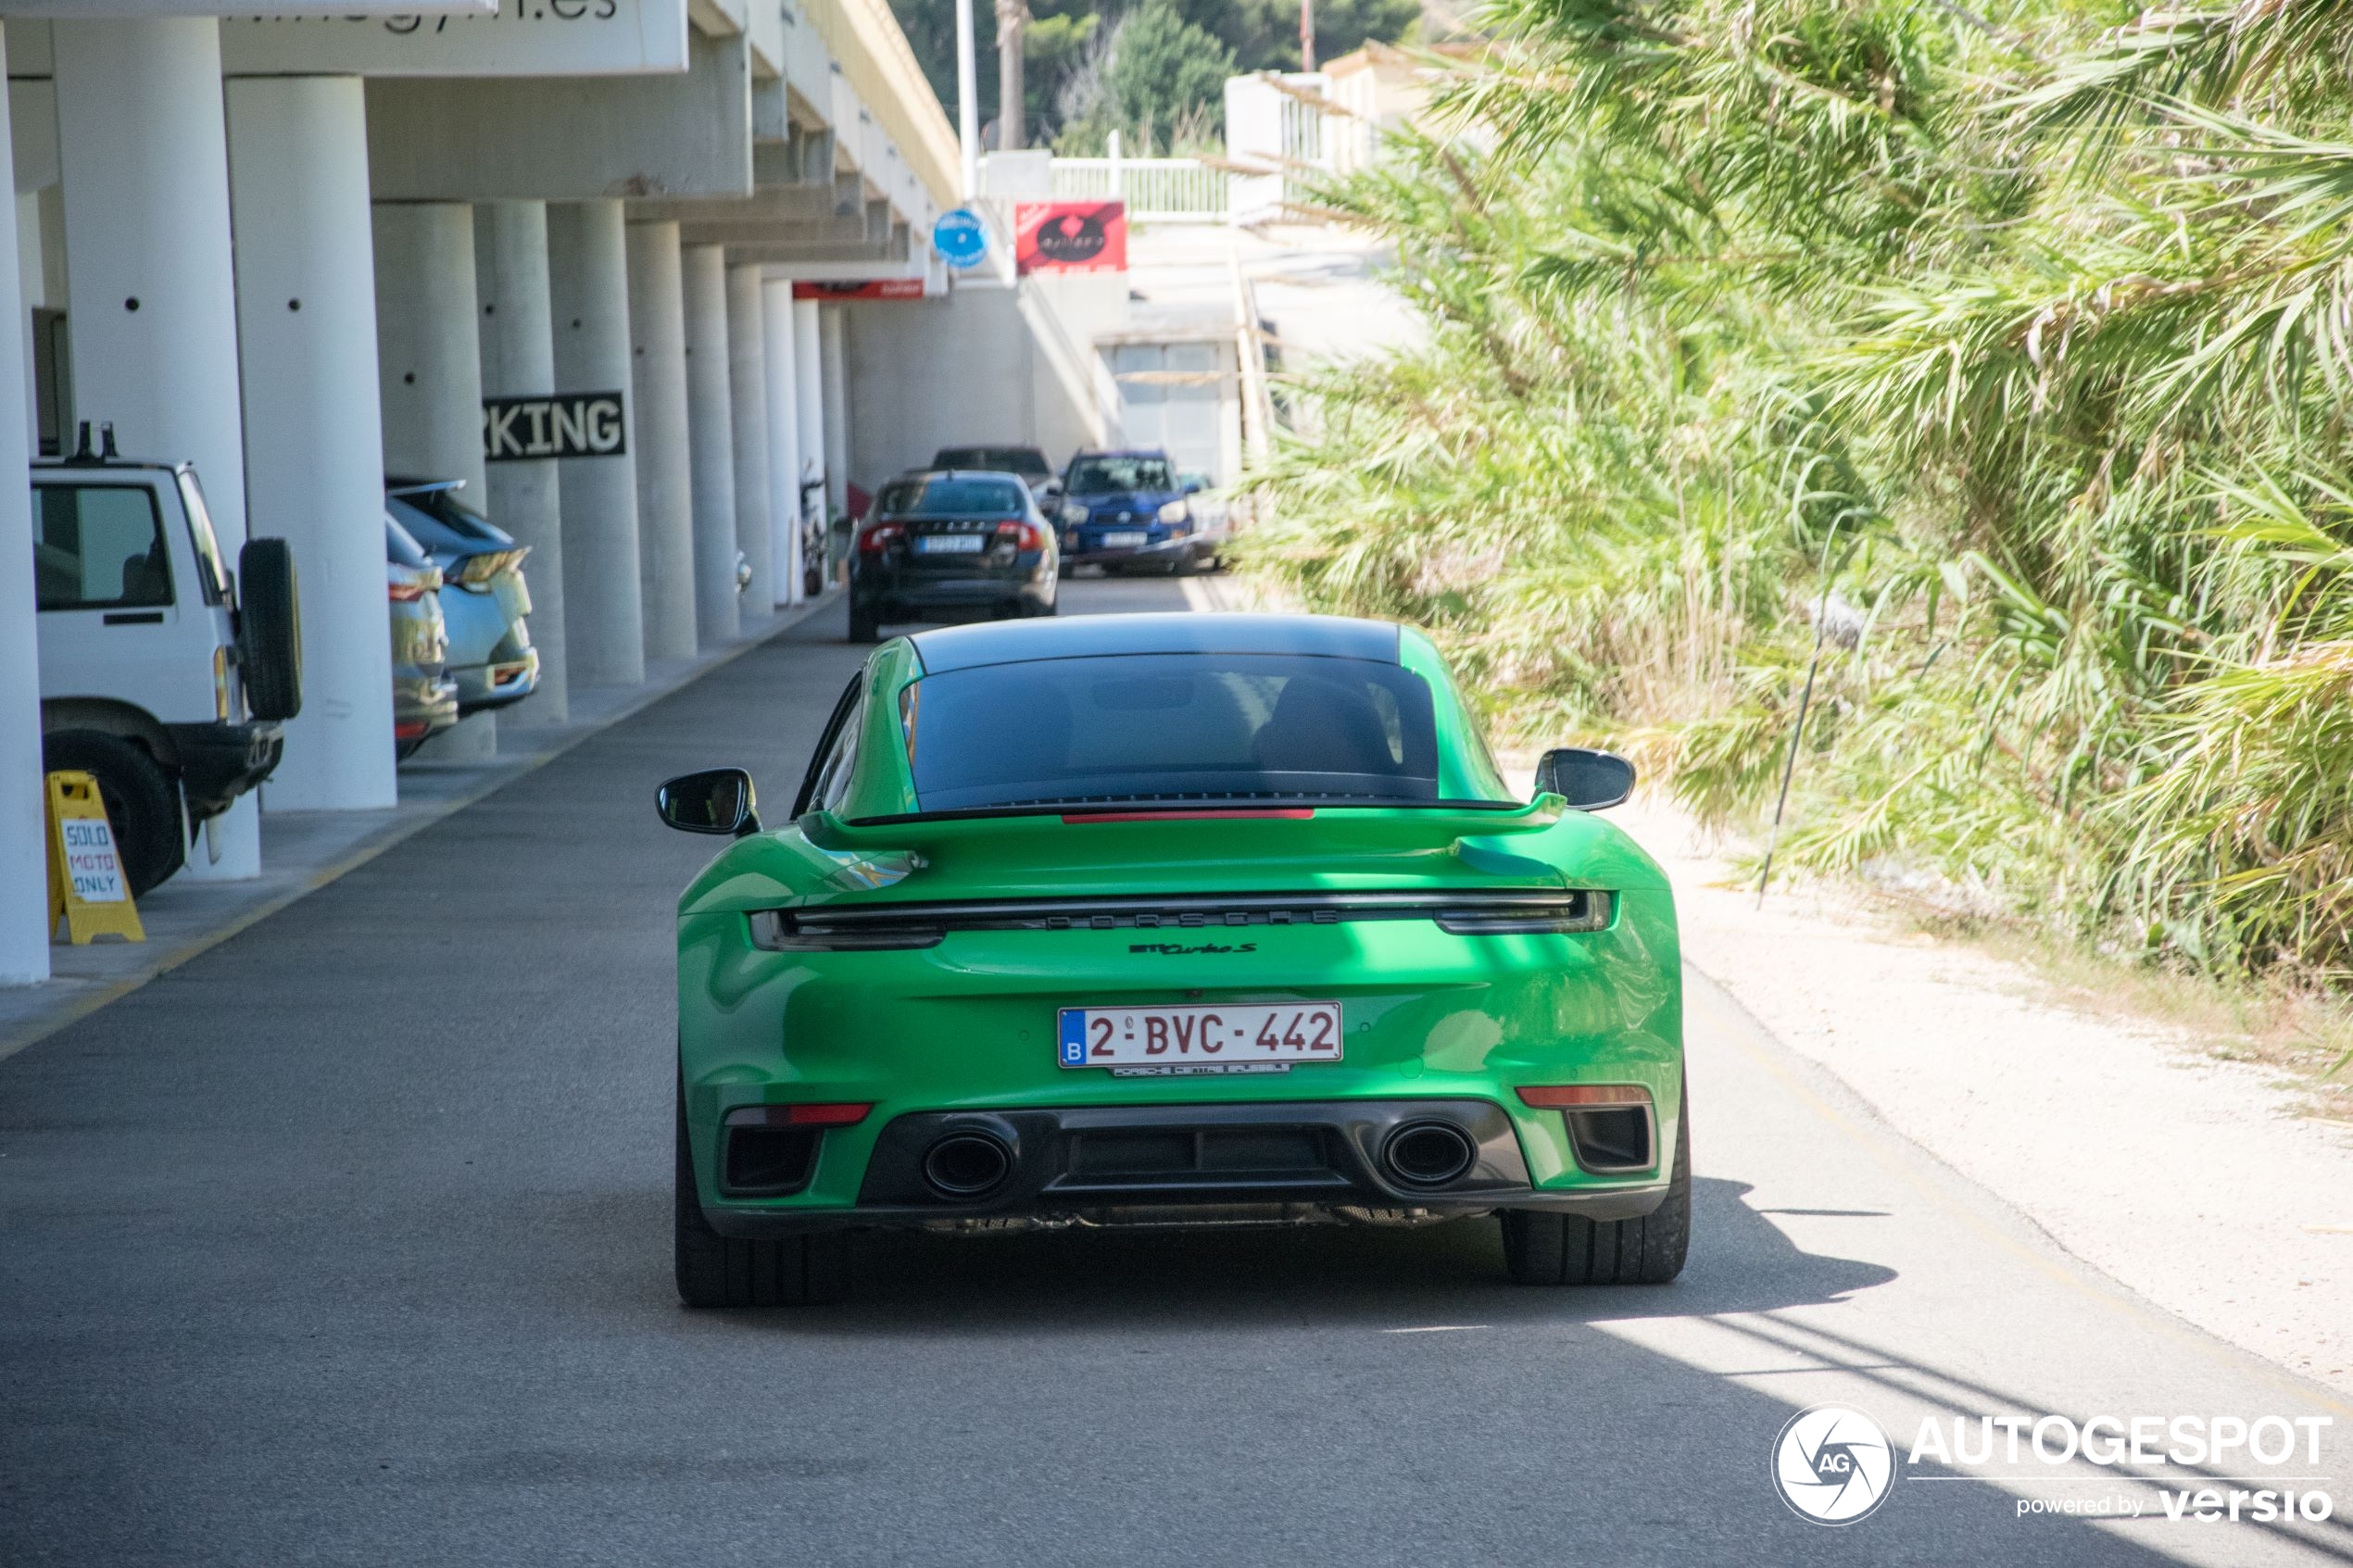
point(1164, 71)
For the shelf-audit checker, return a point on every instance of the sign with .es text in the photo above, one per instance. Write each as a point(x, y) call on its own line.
point(524, 38)
point(568, 424)
point(1070, 236)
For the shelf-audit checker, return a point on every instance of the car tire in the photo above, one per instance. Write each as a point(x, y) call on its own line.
point(1543, 1247)
point(270, 629)
point(725, 1271)
point(143, 807)
point(864, 626)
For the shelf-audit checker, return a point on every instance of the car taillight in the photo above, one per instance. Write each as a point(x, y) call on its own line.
point(1024, 536)
point(880, 537)
point(220, 684)
point(477, 572)
point(1583, 1096)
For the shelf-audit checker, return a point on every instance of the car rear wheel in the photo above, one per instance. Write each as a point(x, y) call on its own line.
point(1544, 1248)
point(725, 1271)
point(864, 626)
point(142, 809)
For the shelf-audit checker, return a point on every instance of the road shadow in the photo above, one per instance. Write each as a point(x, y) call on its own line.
point(1346, 1275)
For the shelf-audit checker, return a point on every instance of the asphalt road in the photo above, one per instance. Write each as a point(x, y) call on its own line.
point(347, 1243)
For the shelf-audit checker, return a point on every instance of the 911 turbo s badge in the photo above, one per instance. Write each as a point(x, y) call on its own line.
point(1174, 948)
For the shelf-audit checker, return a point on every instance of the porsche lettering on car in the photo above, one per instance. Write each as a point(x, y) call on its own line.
point(1171, 919)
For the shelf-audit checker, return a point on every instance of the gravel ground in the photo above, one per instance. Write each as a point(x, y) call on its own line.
point(2192, 1180)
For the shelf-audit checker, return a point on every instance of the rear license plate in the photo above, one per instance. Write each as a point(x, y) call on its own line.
point(1124, 541)
point(1225, 1036)
point(948, 544)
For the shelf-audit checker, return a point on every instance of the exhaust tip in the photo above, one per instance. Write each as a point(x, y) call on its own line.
point(967, 1165)
point(1427, 1154)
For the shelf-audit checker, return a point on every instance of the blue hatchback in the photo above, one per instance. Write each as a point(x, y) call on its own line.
point(1128, 511)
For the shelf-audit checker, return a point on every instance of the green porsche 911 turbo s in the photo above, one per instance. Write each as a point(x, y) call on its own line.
point(1171, 919)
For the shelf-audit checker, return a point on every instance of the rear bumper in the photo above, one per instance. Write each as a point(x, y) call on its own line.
point(895, 593)
point(220, 763)
point(1281, 1161)
point(498, 682)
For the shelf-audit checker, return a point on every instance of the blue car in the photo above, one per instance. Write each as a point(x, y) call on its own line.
point(484, 596)
point(1128, 511)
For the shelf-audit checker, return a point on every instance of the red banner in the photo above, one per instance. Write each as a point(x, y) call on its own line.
point(1070, 236)
point(872, 288)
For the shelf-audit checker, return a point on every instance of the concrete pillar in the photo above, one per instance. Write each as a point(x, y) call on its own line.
point(24, 889)
point(748, 384)
point(809, 402)
point(710, 432)
point(524, 496)
point(588, 295)
point(781, 359)
point(428, 350)
point(315, 468)
point(144, 155)
point(665, 472)
point(430, 368)
point(834, 350)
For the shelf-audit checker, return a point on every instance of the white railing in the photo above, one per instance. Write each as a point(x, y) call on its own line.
point(1157, 189)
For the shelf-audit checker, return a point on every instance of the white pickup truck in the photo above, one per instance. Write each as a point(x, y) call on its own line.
point(161, 674)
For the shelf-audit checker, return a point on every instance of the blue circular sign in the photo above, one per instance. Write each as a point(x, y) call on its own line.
point(961, 237)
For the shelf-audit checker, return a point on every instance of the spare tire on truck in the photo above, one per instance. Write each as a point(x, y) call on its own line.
point(270, 629)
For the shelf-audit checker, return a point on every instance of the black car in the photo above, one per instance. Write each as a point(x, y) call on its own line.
point(953, 544)
point(1026, 461)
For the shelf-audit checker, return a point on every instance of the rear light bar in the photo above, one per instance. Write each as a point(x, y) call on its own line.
point(784, 931)
point(1287, 814)
point(831, 1114)
point(1584, 1096)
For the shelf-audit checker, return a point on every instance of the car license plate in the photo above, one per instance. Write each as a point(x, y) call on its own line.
point(948, 544)
point(1124, 541)
point(1217, 1037)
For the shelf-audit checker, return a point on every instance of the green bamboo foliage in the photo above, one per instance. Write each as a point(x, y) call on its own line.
point(2034, 332)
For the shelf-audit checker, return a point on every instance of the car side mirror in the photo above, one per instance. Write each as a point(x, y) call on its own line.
point(715, 800)
point(1193, 487)
point(1588, 781)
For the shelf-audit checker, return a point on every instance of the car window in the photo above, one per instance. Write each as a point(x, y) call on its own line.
point(100, 546)
point(401, 547)
point(833, 779)
point(1027, 461)
point(1186, 726)
point(1097, 476)
point(952, 497)
point(215, 578)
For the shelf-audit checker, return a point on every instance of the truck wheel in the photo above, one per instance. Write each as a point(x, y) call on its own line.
point(725, 1271)
point(143, 807)
point(1544, 1248)
point(270, 629)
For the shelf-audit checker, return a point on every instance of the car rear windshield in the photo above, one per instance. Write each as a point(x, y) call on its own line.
point(951, 497)
point(1183, 728)
point(1027, 461)
point(1103, 476)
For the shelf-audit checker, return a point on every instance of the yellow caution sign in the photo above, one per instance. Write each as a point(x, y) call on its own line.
point(86, 881)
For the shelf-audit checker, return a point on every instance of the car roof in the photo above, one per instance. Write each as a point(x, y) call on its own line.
point(1085, 636)
point(104, 465)
point(1160, 452)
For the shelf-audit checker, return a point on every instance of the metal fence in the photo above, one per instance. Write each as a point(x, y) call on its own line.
point(1157, 189)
